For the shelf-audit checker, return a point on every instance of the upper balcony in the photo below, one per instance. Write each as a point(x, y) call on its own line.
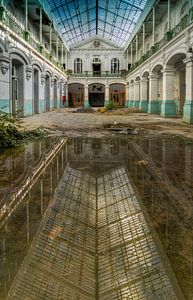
point(98, 74)
point(185, 22)
point(8, 20)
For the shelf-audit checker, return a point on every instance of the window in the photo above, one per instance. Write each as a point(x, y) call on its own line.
point(115, 66)
point(78, 65)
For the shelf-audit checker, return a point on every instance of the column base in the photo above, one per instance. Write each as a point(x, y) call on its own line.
point(86, 104)
point(188, 112)
point(127, 103)
point(143, 105)
point(168, 109)
point(136, 103)
point(154, 107)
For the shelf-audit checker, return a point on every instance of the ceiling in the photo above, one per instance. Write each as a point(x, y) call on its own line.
point(79, 20)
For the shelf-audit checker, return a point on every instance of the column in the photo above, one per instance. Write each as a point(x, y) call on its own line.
point(66, 59)
point(26, 14)
point(143, 38)
point(131, 94)
point(153, 29)
point(57, 40)
point(50, 38)
point(136, 93)
point(86, 103)
point(41, 26)
point(127, 59)
point(66, 88)
point(136, 47)
point(153, 105)
point(106, 94)
point(168, 107)
point(188, 105)
point(131, 54)
point(169, 12)
point(127, 95)
point(62, 54)
point(143, 105)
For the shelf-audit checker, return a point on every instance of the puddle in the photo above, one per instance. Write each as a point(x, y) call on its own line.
point(113, 197)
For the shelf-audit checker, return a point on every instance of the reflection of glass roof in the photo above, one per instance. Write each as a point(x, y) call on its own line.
point(82, 19)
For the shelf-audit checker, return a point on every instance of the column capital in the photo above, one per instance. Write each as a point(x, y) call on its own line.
point(153, 76)
point(144, 79)
point(188, 59)
point(168, 70)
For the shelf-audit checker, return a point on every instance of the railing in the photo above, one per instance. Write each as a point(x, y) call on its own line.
point(10, 21)
point(97, 74)
point(184, 22)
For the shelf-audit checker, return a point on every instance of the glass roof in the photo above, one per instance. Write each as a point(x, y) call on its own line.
point(79, 20)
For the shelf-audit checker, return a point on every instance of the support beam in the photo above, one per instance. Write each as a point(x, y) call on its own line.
point(50, 37)
point(131, 54)
point(62, 54)
point(143, 38)
point(136, 47)
point(57, 46)
point(41, 41)
point(26, 14)
point(97, 15)
point(169, 14)
point(153, 29)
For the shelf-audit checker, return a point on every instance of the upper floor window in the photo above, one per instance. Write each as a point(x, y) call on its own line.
point(78, 65)
point(115, 65)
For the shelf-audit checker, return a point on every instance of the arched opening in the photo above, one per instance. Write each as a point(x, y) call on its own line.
point(47, 92)
point(96, 94)
point(17, 88)
point(179, 82)
point(36, 91)
point(156, 89)
point(55, 93)
point(117, 94)
point(144, 93)
point(96, 66)
point(76, 94)
point(78, 66)
point(115, 66)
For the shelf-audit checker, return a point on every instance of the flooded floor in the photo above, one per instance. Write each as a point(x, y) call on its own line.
point(107, 218)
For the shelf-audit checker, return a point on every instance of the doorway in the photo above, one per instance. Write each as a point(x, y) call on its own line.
point(36, 91)
point(47, 92)
point(96, 94)
point(17, 88)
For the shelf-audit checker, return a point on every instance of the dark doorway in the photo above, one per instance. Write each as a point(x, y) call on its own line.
point(96, 94)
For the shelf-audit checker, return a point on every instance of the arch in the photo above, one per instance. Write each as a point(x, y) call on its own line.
point(132, 81)
point(137, 78)
point(156, 68)
point(175, 56)
point(96, 93)
point(19, 55)
point(78, 66)
point(76, 94)
point(96, 60)
point(37, 64)
point(145, 74)
point(117, 94)
point(48, 72)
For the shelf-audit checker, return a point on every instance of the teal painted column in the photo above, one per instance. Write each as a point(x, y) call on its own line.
point(127, 95)
point(86, 102)
point(136, 93)
point(131, 94)
point(168, 106)
point(106, 94)
point(188, 106)
point(143, 104)
point(153, 105)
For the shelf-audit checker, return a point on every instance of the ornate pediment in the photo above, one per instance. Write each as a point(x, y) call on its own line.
point(96, 43)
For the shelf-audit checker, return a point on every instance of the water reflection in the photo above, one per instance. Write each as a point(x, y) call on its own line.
point(161, 169)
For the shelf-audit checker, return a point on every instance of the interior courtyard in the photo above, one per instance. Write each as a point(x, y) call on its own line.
point(100, 204)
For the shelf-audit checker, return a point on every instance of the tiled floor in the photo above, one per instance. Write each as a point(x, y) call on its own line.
point(94, 243)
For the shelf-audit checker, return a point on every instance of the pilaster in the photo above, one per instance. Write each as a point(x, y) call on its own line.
point(143, 104)
point(188, 105)
point(168, 107)
point(153, 105)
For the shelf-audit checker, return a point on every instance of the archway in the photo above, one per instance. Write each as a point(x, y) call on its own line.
point(17, 88)
point(47, 92)
point(179, 80)
point(36, 91)
point(117, 94)
point(96, 94)
point(76, 94)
